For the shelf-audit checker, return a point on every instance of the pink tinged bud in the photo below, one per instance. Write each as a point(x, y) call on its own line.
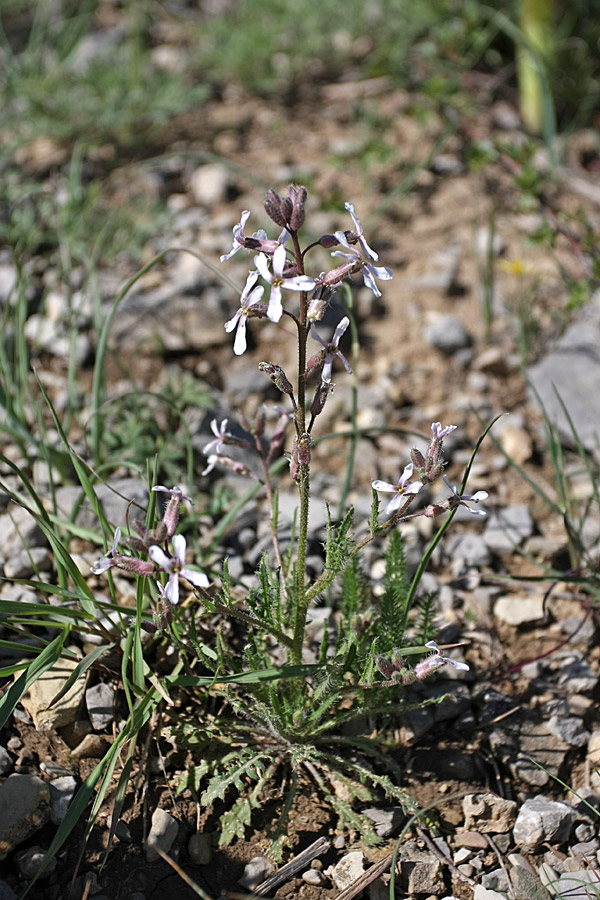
point(259, 423)
point(277, 376)
point(274, 207)
point(328, 241)
point(417, 458)
point(434, 510)
point(297, 198)
point(304, 445)
point(138, 566)
point(321, 394)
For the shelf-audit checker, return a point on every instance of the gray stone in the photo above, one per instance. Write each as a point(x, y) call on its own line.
point(507, 528)
point(347, 870)
point(100, 700)
point(162, 834)
point(542, 821)
point(482, 893)
point(569, 729)
point(24, 808)
point(18, 530)
point(115, 498)
point(496, 880)
point(314, 876)
point(27, 562)
point(470, 549)
point(441, 274)
point(61, 793)
point(488, 813)
point(580, 885)
point(421, 871)
point(572, 370)
point(386, 821)
point(448, 335)
point(6, 761)
point(576, 675)
point(30, 861)
point(200, 849)
point(256, 871)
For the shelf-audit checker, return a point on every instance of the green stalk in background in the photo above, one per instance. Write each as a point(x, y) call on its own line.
point(534, 57)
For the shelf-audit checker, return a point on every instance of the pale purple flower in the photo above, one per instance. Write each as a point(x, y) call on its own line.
point(440, 433)
point(369, 271)
point(278, 282)
point(426, 666)
point(213, 459)
point(175, 567)
point(331, 349)
point(250, 296)
point(400, 489)
point(238, 236)
point(358, 234)
point(174, 492)
point(458, 499)
point(106, 562)
point(220, 433)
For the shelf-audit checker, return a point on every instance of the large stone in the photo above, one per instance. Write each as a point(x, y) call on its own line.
point(24, 808)
point(542, 821)
point(571, 374)
point(43, 691)
point(489, 813)
point(162, 834)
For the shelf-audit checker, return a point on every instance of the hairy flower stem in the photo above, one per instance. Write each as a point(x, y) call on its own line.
point(272, 517)
point(302, 602)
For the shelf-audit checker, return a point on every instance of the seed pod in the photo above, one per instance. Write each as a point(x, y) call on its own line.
point(277, 376)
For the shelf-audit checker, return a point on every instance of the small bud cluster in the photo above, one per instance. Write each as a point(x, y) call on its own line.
point(396, 671)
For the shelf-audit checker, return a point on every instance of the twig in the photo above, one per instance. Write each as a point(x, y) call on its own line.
point(511, 889)
point(321, 845)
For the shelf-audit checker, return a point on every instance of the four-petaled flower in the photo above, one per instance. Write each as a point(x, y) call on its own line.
point(174, 492)
point(358, 234)
point(400, 489)
point(369, 271)
point(278, 282)
point(238, 236)
point(440, 433)
point(426, 666)
point(220, 433)
point(458, 499)
point(106, 562)
point(250, 296)
point(331, 349)
point(175, 566)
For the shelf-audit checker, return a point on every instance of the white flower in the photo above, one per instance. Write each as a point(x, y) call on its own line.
point(423, 668)
point(464, 499)
point(106, 562)
point(220, 433)
point(400, 489)
point(331, 349)
point(174, 567)
point(278, 282)
point(238, 236)
point(248, 299)
point(369, 271)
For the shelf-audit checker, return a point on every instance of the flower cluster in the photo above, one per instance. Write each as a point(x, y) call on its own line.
point(427, 468)
point(161, 560)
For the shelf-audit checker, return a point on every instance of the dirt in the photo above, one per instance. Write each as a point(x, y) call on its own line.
point(421, 222)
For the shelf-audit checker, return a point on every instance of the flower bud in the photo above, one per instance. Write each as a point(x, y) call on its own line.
point(259, 423)
point(417, 458)
point(277, 376)
point(297, 197)
point(274, 208)
point(304, 445)
point(321, 394)
point(328, 241)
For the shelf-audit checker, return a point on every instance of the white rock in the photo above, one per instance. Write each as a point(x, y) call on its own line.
point(515, 609)
point(43, 691)
point(256, 871)
point(347, 870)
point(210, 183)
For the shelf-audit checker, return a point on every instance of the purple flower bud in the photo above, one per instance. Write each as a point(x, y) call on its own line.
point(321, 394)
point(274, 207)
point(328, 241)
point(304, 445)
point(297, 198)
point(277, 376)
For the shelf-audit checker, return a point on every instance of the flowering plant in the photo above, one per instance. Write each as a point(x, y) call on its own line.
point(296, 710)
